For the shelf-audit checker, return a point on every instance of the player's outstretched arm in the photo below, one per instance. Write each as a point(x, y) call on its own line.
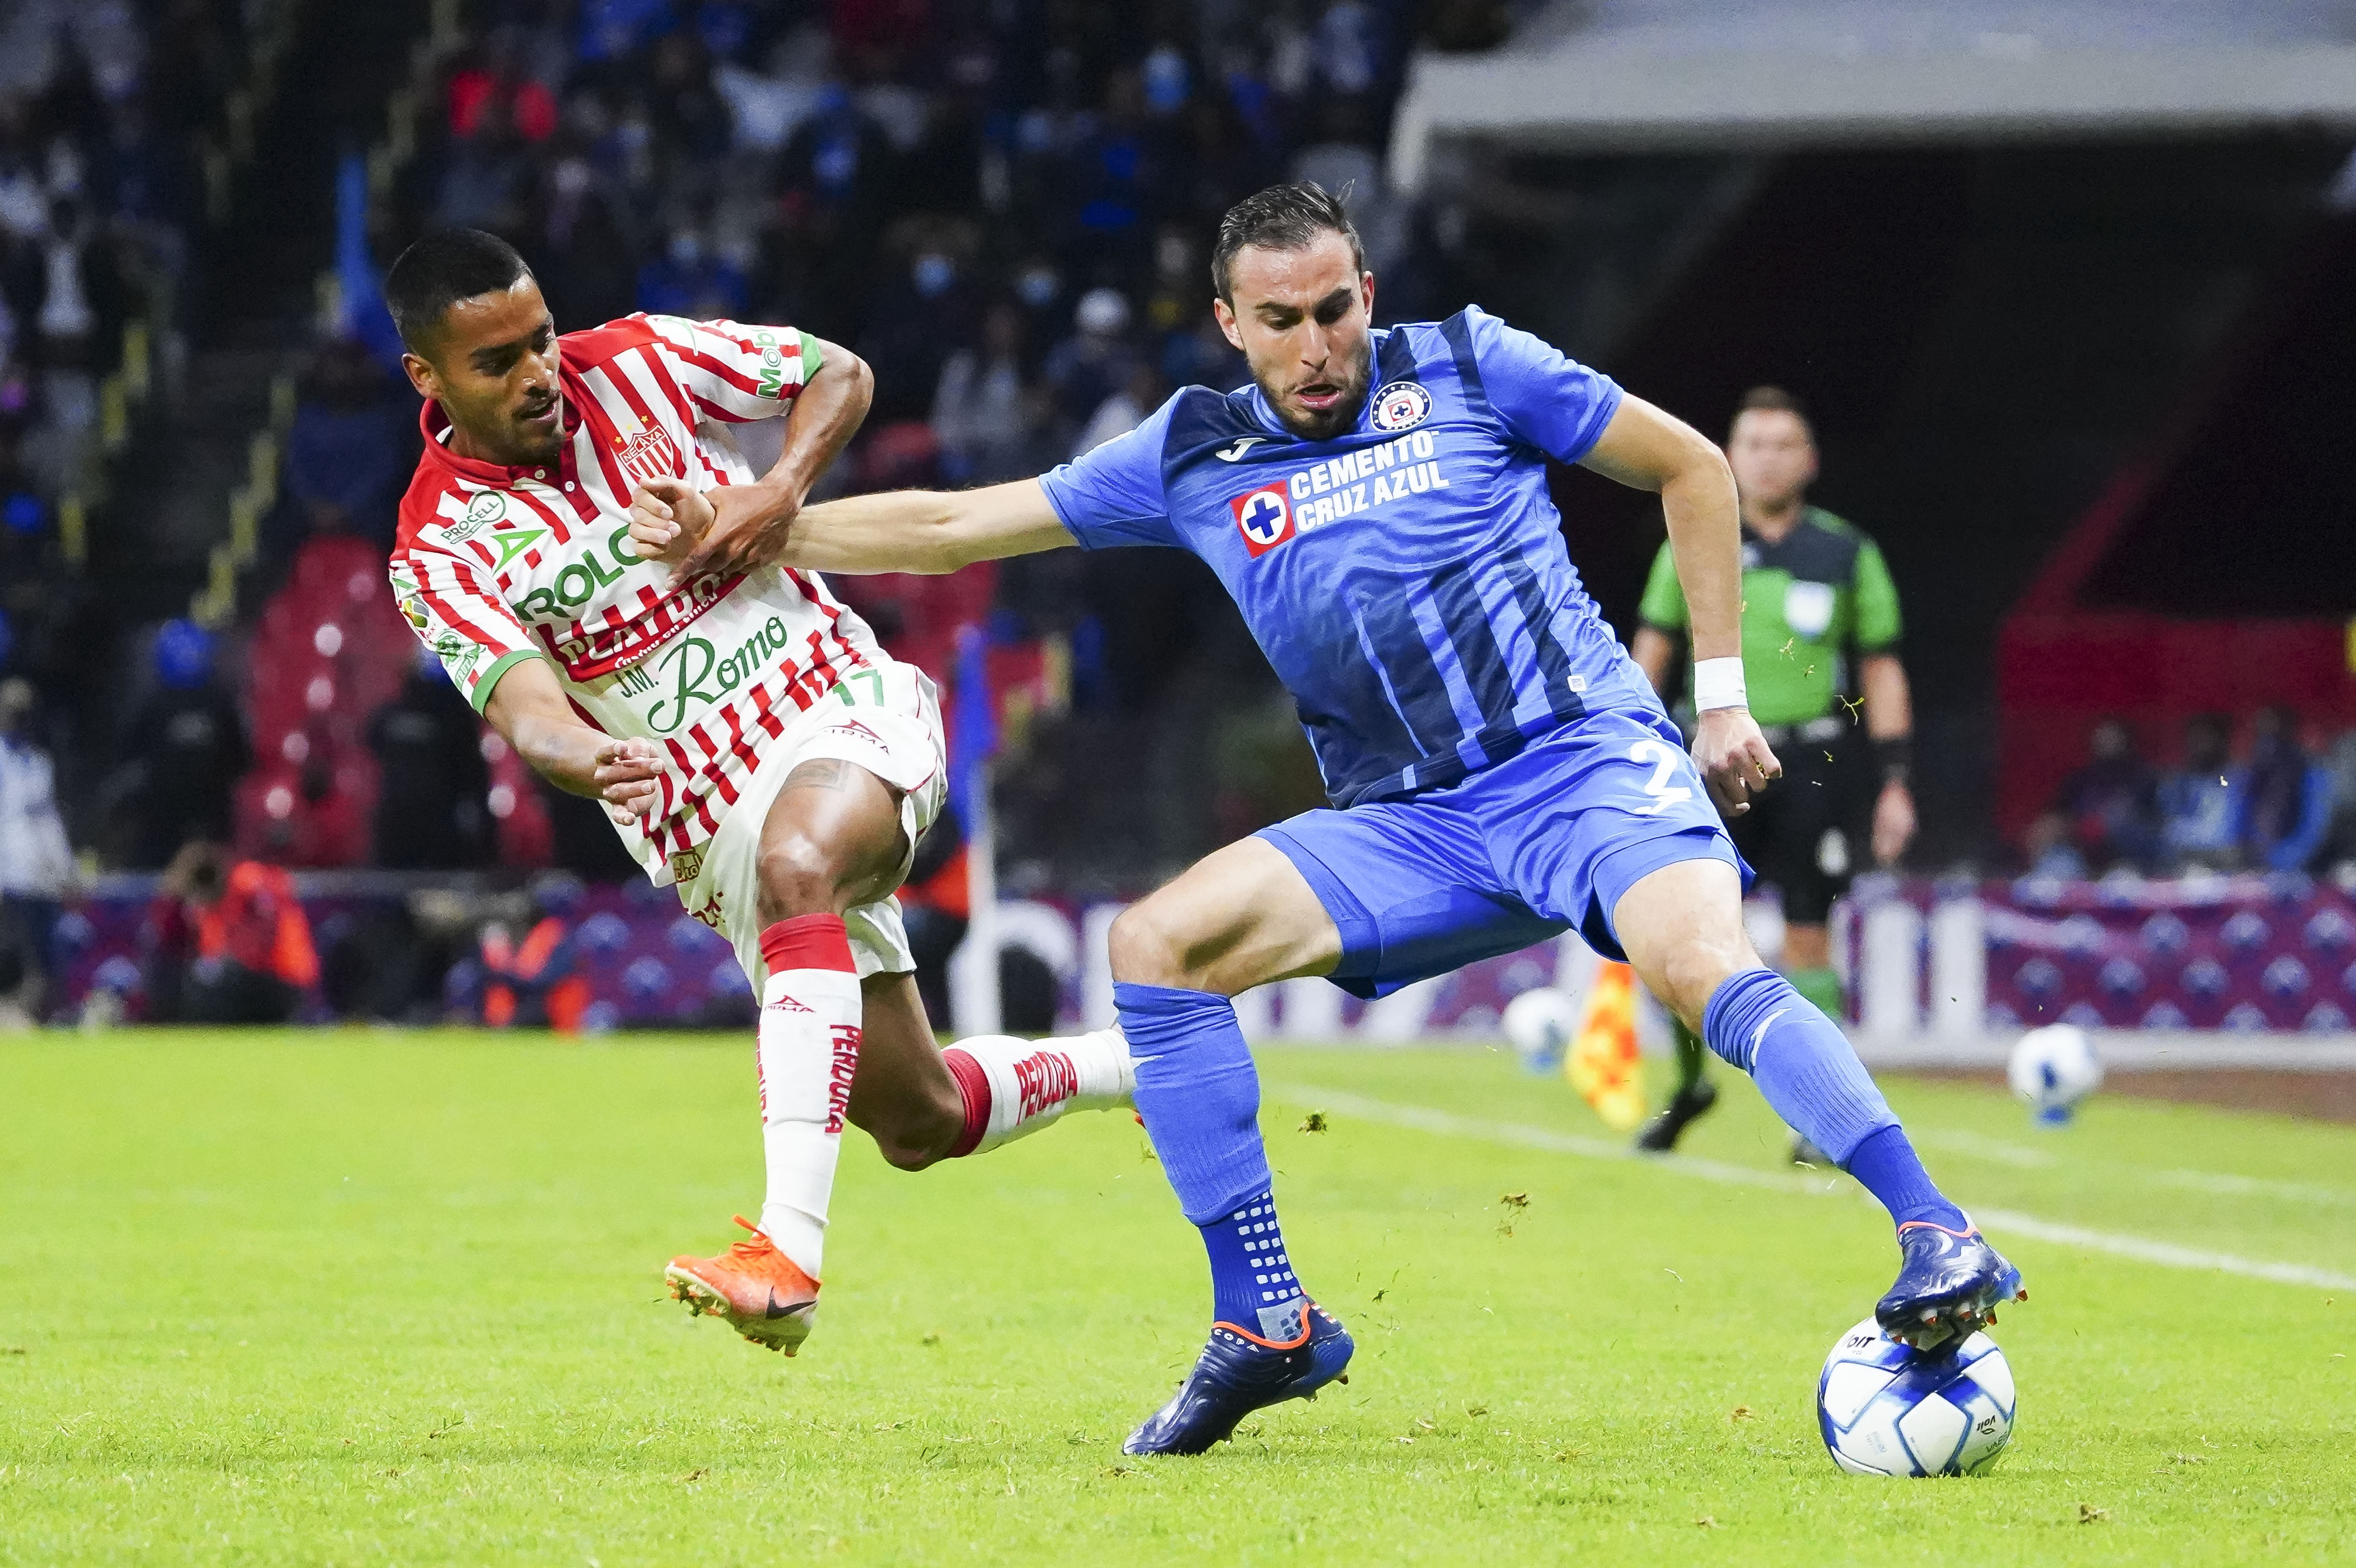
point(1649, 450)
point(528, 708)
point(743, 525)
point(925, 530)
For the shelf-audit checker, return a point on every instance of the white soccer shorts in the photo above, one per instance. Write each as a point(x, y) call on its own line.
point(891, 726)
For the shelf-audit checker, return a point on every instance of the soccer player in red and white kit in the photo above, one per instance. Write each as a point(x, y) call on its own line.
point(752, 742)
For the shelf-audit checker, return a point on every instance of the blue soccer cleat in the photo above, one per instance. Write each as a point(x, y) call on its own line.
point(1949, 1284)
point(1240, 1372)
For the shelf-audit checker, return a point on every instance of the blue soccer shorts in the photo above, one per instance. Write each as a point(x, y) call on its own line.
point(1544, 842)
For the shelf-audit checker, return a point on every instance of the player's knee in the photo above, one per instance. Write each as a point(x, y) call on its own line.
point(1695, 968)
point(798, 877)
point(1144, 951)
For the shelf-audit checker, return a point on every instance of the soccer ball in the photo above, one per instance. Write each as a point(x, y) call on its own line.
point(2053, 1068)
point(1886, 1409)
point(1540, 1023)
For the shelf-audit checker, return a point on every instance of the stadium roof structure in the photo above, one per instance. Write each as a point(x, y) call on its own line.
point(1693, 75)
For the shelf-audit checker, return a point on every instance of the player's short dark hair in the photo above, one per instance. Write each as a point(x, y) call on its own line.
point(437, 272)
point(1775, 400)
point(1282, 218)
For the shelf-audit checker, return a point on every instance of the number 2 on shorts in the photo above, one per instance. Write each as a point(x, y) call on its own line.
point(1664, 794)
point(874, 680)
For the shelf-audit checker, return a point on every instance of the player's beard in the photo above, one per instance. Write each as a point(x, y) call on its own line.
point(1313, 426)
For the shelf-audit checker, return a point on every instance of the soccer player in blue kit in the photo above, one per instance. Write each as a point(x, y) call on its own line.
point(1500, 771)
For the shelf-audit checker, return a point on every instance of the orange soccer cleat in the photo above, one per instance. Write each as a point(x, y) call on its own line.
point(755, 1287)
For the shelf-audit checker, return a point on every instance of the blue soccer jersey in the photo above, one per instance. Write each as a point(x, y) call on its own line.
point(1408, 580)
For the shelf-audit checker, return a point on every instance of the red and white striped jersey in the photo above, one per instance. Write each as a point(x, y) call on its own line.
point(494, 564)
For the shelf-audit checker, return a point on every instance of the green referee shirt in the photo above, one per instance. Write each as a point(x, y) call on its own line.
point(1807, 599)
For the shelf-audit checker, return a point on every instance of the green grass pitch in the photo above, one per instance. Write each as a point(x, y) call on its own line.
point(376, 1297)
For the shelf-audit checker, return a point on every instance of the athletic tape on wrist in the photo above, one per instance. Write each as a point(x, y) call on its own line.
point(1717, 683)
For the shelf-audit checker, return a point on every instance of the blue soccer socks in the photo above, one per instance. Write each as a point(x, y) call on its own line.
point(1252, 1283)
point(1885, 1165)
point(1198, 1095)
point(1806, 1068)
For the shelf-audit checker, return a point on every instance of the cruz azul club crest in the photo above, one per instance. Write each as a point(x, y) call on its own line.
point(1401, 405)
point(1264, 517)
point(649, 453)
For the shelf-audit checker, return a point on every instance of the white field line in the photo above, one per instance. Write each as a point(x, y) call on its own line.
point(2223, 1183)
point(1522, 1136)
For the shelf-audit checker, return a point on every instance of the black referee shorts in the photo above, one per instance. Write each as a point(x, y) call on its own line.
point(1805, 835)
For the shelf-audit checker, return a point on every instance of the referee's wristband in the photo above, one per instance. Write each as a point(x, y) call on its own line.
point(1894, 756)
point(1717, 683)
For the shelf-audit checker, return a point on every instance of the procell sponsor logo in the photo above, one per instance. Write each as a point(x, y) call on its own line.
point(710, 913)
point(1046, 1078)
point(844, 1038)
point(485, 509)
point(1264, 518)
point(1401, 405)
point(649, 453)
point(686, 864)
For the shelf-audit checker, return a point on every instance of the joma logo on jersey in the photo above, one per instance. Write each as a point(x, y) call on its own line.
point(1264, 517)
point(650, 453)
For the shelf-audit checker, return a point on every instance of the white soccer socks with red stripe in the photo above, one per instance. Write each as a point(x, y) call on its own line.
point(1014, 1087)
point(808, 1053)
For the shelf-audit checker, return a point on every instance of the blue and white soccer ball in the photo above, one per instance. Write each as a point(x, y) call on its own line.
point(1886, 1409)
point(2052, 1069)
point(1540, 1023)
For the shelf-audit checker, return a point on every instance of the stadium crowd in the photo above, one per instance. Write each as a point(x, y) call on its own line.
point(1004, 206)
point(2281, 807)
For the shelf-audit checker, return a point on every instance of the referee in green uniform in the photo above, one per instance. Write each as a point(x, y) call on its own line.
point(1814, 591)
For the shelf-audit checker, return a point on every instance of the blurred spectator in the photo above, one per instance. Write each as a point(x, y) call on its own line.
point(2287, 801)
point(252, 957)
point(345, 449)
point(1095, 362)
point(585, 260)
point(483, 180)
point(2052, 851)
point(2340, 845)
point(2197, 814)
point(918, 322)
point(536, 983)
point(186, 748)
point(1124, 411)
point(2112, 804)
point(167, 936)
point(35, 862)
point(691, 279)
point(432, 781)
point(496, 84)
point(981, 411)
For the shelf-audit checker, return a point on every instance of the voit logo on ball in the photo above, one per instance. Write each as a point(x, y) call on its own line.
point(1401, 405)
point(1264, 517)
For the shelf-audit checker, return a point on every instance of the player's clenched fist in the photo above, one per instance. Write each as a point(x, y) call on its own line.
point(1734, 757)
point(668, 518)
point(627, 777)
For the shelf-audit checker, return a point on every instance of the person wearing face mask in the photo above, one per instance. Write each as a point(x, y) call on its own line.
point(691, 279)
